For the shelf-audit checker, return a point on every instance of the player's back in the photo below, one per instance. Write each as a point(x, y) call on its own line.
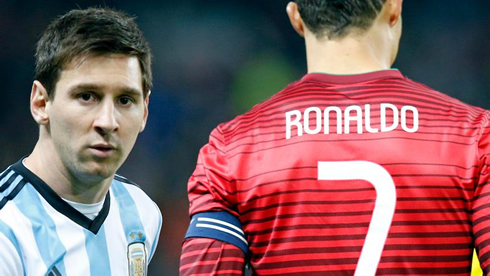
point(312, 163)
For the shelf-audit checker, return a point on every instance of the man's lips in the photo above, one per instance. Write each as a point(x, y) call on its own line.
point(103, 146)
point(102, 150)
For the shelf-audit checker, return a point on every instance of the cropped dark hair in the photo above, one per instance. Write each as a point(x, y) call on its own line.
point(337, 18)
point(90, 32)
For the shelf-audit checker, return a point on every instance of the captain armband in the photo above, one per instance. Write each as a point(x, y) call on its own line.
point(219, 226)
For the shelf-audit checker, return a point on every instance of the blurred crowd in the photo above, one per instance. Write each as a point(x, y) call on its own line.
point(215, 59)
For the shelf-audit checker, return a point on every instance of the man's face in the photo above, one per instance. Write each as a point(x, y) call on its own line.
point(96, 114)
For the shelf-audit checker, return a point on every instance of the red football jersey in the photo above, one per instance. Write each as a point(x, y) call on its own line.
point(352, 174)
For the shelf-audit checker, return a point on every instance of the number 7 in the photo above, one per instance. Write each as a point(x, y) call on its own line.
point(384, 206)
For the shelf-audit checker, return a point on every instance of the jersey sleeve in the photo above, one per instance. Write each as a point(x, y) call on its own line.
point(156, 228)
point(481, 201)
point(203, 256)
point(215, 242)
point(210, 187)
point(10, 260)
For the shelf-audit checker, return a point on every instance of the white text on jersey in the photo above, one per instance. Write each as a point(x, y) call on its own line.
point(313, 120)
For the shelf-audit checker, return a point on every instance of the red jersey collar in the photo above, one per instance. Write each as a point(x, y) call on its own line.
point(346, 79)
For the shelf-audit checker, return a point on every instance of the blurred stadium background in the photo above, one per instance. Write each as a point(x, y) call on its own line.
point(214, 59)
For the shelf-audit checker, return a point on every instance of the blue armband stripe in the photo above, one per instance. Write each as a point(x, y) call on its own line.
point(220, 226)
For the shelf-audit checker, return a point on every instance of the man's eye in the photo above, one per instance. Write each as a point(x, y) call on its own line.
point(125, 100)
point(86, 97)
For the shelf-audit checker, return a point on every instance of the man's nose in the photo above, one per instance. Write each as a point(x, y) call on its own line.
point(106, 118)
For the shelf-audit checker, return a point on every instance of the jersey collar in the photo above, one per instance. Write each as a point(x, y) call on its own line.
point(62, 206)
point(356, 78)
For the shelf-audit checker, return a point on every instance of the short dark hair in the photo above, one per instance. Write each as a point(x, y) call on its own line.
point(336, 18)
point(91, 32)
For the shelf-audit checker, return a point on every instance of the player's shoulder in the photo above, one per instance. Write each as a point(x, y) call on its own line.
point(11, 183)
point(122, 187)
point(441, 95)
point(452, 105)
point(259, 113)
point(125, 181)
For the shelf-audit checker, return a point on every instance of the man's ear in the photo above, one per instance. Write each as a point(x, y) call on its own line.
point(39, 101)
point(395, 10)
point(295, 18)
point(145, 115)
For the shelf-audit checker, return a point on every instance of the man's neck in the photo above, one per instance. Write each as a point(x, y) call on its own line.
point(46, 164)
point(349, 55)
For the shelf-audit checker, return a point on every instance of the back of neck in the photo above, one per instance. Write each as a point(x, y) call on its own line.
point(349, 55)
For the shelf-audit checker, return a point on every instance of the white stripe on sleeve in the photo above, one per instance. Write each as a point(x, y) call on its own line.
point(21, 225)
point(10, 263)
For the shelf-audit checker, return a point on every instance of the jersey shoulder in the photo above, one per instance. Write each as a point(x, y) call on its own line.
point(455, 110)
point(122, 184)
point(128, 192)
point(266, 108)
point(11, 183)
point(443, 97)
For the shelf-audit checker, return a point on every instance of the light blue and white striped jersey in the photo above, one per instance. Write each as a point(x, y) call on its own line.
point(41, 234)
